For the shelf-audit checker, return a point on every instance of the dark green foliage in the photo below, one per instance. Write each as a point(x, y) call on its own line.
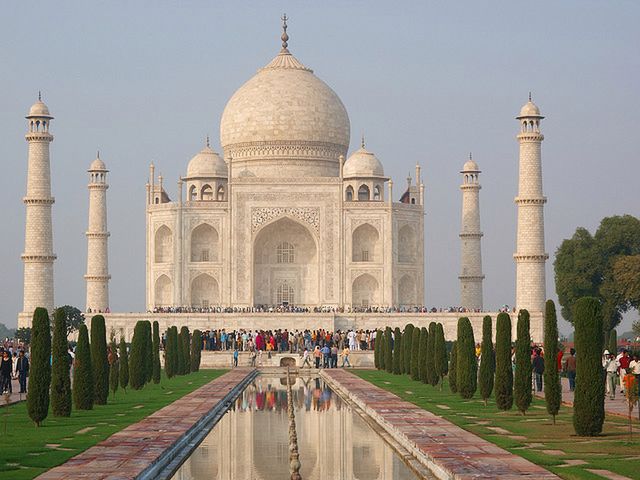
point(114, 366)
point(24, 335)
point(83, 386)
point(185, 351)
point(376, 349)
point(522, 382)
point(73, 318)
point(124, 365)
point(383, 343)
point(422, 355)
point(441, 362)
point(588, 405)
point(60, 381)
point(431, 375)
point(39, 367)
point(504, 370)
point(415, 354)
point(453, 368)
point(148, 352)
point(613, 341)
point(466, 368)
point(99, 360)
point(156, 353)
point(171, 352)
point(487, 361)
point(388, 350)
point(407, 340)
point(397, 352)
point(196, 349)
point(137, 364)
point(552, 388)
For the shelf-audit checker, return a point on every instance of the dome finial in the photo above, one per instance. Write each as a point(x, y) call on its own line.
point(207, 141)
point(284, 37)
point(98, 154)
point(39, 96)
point(362, 142)
point(529, 96)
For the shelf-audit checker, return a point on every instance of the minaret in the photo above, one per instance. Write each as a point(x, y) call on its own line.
point(530, 256)
point(38, 253)
point(471, 276)
point(97, 276)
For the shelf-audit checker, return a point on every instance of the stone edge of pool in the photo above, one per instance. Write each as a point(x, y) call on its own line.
point(449, 451)
point(146, 448)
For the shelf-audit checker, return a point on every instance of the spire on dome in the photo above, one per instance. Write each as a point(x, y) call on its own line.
point(362, 142)
point(285, 36)
point(98, 155)
point(529, 96)
point(39, 96)
point(207, 142)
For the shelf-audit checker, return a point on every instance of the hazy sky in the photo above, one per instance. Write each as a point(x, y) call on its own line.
point(425, 81)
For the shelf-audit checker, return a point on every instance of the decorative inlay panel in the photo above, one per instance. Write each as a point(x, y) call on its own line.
point(263, 215)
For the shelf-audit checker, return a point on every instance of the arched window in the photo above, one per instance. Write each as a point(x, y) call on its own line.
point(284, 294)
point(285, 253)
point(206, 193)
point(363, 193)
point(220, 193)
point(163, 245)
point(349, 194)
point(193, 194)
point(413, 201)
point(377, 193)
point(204, 244)
point(365, 244)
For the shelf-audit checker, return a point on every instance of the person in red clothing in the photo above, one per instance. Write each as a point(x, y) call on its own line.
point(624, 366)
point(560, 355)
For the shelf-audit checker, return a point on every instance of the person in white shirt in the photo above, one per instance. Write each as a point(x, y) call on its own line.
point(611, 366)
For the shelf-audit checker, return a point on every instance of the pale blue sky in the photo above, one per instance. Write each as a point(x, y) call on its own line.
point(425, 81)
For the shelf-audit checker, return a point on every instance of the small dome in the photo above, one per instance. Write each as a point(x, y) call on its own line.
point(471, 167)
point(362, 163)
point(39, 109)
point(98, 165)
point(207, 164)
point(529, 109)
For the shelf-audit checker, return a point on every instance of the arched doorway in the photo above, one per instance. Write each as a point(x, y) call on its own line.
point(365, 291)
point(163, 245)
point(285, 265)
point(407, 245)
point(365, 244)
point(204, 243)
point(204, 291)
point(162, 292)
point(407, 291)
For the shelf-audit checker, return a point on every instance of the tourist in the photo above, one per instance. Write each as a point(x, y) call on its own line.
point(334, 356)
point(624, 360)
point(570, 369)
point(306, 360)
point(22, 370)
point(6, 370)
point(326, 352)
point(235, 357)
point(634, 368)
point(345, 357)
point(611, 366)
point(317, 355)
point(252, 358)
point(538, 368)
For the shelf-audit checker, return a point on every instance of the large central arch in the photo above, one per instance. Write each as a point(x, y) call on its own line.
point(285, 256)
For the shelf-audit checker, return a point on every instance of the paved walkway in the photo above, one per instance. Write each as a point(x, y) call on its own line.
point(124, 455)
point(615, 407)
point(450, 451)
point(15, 397)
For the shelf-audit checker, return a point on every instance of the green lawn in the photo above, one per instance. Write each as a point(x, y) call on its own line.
point(533, 436)
point(27, 451)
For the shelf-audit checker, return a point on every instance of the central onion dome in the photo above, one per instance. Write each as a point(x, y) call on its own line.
point(284, 122)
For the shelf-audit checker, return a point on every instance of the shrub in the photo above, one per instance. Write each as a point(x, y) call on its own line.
point(453, 368)
point(137, 364)
point(487, 360)
point(466, 374)
point(397, 352)
point(415, 354)
point(196, 349)
point(156, 352)
point(504, 370)
point(432, 376)
point(40, 367)
point(588, 404)
point(124, 365)
point(83, 385)
point(99, 360)
point(422, 354)
point(407, 339)
point(441, 354)
point(114, 366)
point(522, 382)
point(388, 350)
point(552, 388)
point(60, 381)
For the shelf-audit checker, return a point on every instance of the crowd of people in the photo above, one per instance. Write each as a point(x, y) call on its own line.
point(318, 309)
point(14, 363)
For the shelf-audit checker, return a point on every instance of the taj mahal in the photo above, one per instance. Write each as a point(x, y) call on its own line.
point(285, 215)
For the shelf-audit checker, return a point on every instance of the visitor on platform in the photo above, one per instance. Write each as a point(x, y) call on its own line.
point(326, 353)
point(306, 359)
point(611, 366)
point(634, 367)
point(570, 369)
point(538, 368)
point(6, 370)
point(345, 357)
point(22, 370)
point(624, 360)
point(235, 357)
point(334, 356)
point(317, 355)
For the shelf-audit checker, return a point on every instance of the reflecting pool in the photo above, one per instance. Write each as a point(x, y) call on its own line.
point(251, 441)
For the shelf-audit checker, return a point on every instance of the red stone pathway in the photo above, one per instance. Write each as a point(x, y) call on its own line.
point(124, 455)
point(450, 451)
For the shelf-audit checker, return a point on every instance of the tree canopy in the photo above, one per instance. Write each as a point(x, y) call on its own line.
point(73, 317)
point(604, 266)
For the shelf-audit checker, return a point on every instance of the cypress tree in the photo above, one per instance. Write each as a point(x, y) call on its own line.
point(40, 367)
point(137, 375)
point(552, 388)
point(453, 368)
point(185, 360)
point(441, 354)
point(613, 341)
point(388, 350)
point(522, 382)
point(504, 370)
point(83, 385)
point(99, 360)
point(60, 381)
point(180, 355)
point(383, 343)
point(114, 366)
point(124, 365)
point(196, 348)
point(432, 376)
point(466, 374)
point(156, 352)
point(415, 354)
point(397, 352)
point(407, 340)
point(148, 352)
point(376, 349)
point(487, 365)
point(422, 354)
point(588, 404)
point(171, 352)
